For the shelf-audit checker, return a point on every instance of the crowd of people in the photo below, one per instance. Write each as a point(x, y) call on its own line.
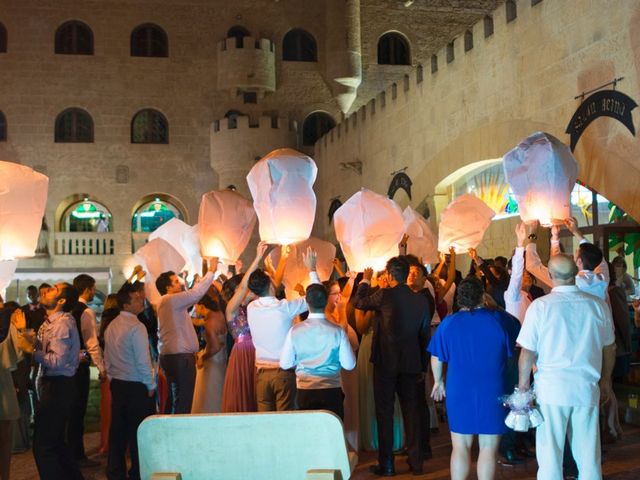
point(378, 349)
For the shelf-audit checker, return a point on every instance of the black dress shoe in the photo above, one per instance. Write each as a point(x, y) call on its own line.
point(388, 471)
point(525, 452)
point(511, 458)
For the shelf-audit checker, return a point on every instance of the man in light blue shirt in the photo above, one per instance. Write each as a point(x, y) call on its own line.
point(133, 385)
point(318, 349)
point(57, 351)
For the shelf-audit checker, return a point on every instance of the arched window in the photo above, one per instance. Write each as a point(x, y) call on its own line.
point(3, 127)
point(149, 126)
point(315, 126)
point(299, 46)
point(74, 125)
point(86, 216)
point(393, 49)
point(149, 40)
point(3, 39)
point(238, 33)
point(153, 213)
point(74, 38)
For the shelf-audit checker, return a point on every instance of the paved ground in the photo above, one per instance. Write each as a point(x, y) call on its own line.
point(621, 461)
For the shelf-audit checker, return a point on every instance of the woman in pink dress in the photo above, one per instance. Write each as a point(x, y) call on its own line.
point(239, 391)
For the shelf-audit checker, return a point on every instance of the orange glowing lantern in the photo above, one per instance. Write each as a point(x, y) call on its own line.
point(369, 227)
point(281, 185)
point(23, 197)
point(226, 222)
point(422, 242)
point(295, 271)
point(541, 172)
point(463, 223)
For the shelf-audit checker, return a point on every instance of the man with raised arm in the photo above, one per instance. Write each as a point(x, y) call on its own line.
point(178, 342)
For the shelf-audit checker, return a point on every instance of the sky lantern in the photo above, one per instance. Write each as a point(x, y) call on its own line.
point(158, 256)
point(7, 269)
point(541, 172)
point(281, 185)
point(463, 223)
point(422, 242)
point(23, 197)
point(184, 239)
point(296, 272)
point(369, 227)
point(226, 222)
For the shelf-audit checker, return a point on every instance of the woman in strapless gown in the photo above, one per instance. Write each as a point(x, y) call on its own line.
point(212, 360)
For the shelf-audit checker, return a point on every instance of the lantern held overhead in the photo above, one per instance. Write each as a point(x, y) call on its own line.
point(226, 222)
point(463, 223)
point(422, 242)
point(281, 185)
point(541, 172)
point(23, 197)
point(369, 227)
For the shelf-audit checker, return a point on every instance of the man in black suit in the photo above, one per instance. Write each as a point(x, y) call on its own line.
point(399, 358)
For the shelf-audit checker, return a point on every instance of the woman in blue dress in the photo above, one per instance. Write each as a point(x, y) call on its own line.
point(475, 343)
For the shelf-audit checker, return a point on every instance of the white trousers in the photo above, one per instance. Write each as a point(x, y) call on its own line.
point(580, 426)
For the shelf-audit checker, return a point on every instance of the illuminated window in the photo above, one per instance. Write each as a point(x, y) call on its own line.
point(152, 214)
point(86, 216)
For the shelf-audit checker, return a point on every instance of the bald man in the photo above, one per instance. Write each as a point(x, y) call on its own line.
point(569, 335)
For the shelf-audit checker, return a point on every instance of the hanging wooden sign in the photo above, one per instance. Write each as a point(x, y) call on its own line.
point(605, 103)
point(400, 181)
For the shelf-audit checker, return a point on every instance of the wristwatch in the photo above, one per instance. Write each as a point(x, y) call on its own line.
point(532, 236)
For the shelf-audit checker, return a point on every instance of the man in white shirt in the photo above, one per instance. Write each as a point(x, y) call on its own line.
point(178, 342)
point(516, 298)
point(133, 384)
point(318, 349)
point(90, 350)
point(269, 321)
point(569, 335)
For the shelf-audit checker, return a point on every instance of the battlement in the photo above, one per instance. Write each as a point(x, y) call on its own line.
point(449, 60)
point(246, 64)
point(247, 43)
point(245, 122)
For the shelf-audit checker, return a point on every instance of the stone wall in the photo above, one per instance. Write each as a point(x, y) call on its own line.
point(521, 79)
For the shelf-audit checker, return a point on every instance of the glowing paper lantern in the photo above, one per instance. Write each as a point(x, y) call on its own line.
point(295, 271)
point(369, 227)
point(463, 223)
point(23, 197)
point(226, 222)
point(184, 238)
point(281, 185)
point(158, 256)
point(541, 172)
point(422, 242)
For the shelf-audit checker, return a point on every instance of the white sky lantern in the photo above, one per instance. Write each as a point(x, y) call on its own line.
point(182, 237)
point(295, 271)
point(369, 227)
point(158, 256)
point(281, 185)
point(422, 242)
point(226, 222)
point(23, 197)
point(463, 223)
point(541, 172)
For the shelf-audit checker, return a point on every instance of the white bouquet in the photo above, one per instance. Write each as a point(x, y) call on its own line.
point(523, 413)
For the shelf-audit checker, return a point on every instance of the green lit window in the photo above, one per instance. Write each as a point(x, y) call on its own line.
point(87, 216)
point(152, 215)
